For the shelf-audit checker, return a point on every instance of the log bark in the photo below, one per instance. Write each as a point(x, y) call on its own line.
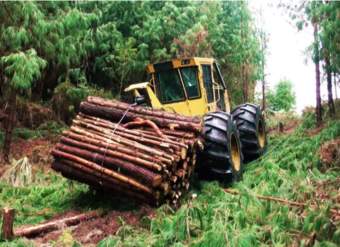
point(75, 171)
point(139, 133)
point(142, 174)
point(142, 110)
point(116, 146)
point(7, 223)
point(136, 157)
point(101, 169)
point(120, 142)
point(116, 114)
point(126, 141)
point(31, 231)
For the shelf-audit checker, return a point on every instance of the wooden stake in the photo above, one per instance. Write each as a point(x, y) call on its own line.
point(7, 223)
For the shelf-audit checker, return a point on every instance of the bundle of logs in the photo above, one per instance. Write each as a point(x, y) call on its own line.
point(146, 154)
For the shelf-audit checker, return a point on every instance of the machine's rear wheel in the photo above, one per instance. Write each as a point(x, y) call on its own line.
point(221, 158)
point(251, 126)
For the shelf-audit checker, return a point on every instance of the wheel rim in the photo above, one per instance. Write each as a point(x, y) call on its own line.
point(235, 153)
point(261, 134)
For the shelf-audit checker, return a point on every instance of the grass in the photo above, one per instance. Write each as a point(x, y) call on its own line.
point(290, 169)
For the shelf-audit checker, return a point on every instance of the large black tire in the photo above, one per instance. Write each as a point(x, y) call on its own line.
point(251, 126)
point(221, 158)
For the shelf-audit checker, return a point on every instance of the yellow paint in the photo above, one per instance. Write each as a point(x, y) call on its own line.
point(188, 107)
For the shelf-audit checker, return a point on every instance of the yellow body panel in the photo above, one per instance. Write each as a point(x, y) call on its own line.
point(188, 107)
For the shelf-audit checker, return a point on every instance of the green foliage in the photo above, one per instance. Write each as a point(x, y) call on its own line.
point(108, 44)
point(40, 200)
point(49, 128)
point(46, 129)
point(26, 133)
point(324, 14)
point(67, 97)
point(22, 68)
point(283, 97)
point(309, 120)
point(285, 171)
point(288, 119)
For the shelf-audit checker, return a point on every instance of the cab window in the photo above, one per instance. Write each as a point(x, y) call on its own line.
point(169, 87)
point(208, 84)
point(190, 81)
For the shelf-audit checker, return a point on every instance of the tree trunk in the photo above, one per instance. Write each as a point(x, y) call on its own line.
point(317, 76)
point(245, 84)
point(263, 94)
point(335, 86)
point(7, 223)
point(9, 124)
point(329, 86)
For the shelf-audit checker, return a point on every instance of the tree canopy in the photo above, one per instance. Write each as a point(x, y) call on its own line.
point(325, 49)
point(108, 44)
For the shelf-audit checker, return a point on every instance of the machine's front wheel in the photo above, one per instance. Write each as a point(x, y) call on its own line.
point(251, 126)
point(221, 158)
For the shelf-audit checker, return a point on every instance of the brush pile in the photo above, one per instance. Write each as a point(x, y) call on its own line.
point(146, 154)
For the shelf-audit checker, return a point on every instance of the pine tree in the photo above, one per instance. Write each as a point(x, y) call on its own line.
point(20, 70)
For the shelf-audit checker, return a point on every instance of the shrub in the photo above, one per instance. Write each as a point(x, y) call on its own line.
point(282, 98)
point(67, 98)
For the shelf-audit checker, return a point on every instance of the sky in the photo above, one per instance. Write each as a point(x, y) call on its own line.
point(286, 56)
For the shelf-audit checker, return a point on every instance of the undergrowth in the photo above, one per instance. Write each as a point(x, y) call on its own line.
point(216, 218)
point(290, 169)
point(46, 129)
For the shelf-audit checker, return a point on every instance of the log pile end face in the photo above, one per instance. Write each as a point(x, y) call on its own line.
point(149, 156)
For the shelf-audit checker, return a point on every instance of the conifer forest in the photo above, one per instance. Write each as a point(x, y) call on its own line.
point(169, 123)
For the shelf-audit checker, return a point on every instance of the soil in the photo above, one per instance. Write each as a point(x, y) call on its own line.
point(316, 130)
point(37, 150)
point(89, 233)
point(287, 128)
point(330, 154)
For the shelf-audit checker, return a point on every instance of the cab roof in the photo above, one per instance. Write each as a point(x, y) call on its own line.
point(177, 63)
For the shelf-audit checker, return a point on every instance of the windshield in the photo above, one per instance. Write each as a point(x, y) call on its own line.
point(169, 87)
point(189, 76)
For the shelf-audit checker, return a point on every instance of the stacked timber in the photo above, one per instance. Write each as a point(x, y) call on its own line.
point(134, 151)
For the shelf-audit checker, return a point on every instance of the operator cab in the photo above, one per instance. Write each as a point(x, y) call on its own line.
point(192, 86)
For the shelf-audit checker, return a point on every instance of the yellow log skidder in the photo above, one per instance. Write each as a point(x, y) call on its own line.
point(195, 87)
